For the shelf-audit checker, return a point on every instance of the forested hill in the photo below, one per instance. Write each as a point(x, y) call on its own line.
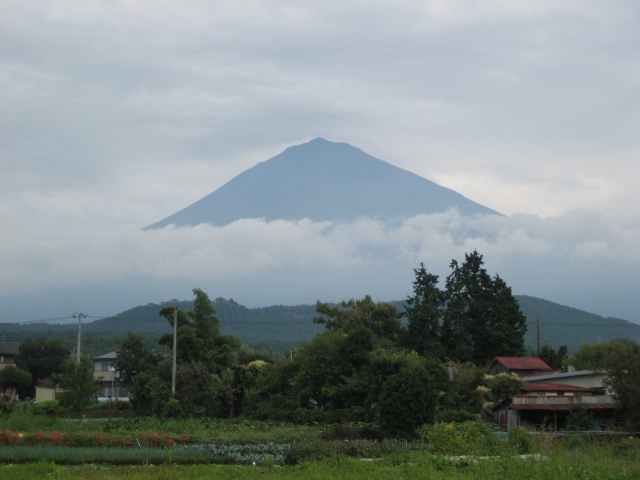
point(281, 326)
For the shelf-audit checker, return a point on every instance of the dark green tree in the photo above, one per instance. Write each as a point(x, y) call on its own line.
point(553, 358)
point(424, 312)
point(382, 319)
point(482, 319)
point(78, 384)
point(42, 358)
point(198, 335)
point(596, 357)
point(133, 358)
point(407, 401)
point(12, 376)
point(623, 378)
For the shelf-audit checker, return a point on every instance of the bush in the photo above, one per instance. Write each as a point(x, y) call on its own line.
point(48, 407)
point(468, 438)
point(407, 400)
point(521, 440)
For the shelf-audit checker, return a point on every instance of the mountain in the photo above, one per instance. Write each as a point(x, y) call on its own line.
point(323, 180)
point(282, 327)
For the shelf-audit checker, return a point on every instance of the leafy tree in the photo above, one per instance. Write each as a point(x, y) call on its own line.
point(151, 389)
point(382, 319)
point(42, 358)
point(12, 376)
point(198, 335)
point(407, 401)
point(596, 357)
point(78, 384)
point(132, 358)
point(424, 312)
point(482, 319)
point(462, 399)
point(623, 378)
point(555, 359)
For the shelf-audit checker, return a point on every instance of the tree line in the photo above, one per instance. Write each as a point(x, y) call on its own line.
point(372, 363)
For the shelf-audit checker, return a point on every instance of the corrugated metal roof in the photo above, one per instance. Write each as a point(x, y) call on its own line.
point(530, 387)
point(534, 377)
point(556, 406)
point(523, 363)
point(9, 348)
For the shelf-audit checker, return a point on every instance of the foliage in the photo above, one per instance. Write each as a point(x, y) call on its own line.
point(462, 400)
point(482, 319)
point(133, 357)
point(554, 358)
point(198, 335)
point(598, 357)
point(78, 384)
point(503, 386)
point(382, 319)
point(316, 450)
point(12, 376)
point(42, 358)
point(424, 311)
point(623, 378)
point(408, 400)
point(468, 438)
point(579, 417)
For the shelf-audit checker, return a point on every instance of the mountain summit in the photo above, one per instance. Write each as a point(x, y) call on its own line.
point(323, 180)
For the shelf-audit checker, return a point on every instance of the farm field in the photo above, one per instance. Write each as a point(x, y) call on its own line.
point(41, 446)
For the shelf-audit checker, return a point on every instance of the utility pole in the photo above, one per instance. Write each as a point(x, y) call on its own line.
point(175, 343)
point(79, 316)
point(538, 334)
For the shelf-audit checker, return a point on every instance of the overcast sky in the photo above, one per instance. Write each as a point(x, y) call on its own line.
point(116, 114)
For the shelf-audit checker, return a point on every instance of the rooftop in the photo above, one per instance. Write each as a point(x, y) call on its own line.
point(522, 363)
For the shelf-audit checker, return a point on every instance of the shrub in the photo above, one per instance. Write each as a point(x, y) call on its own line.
point(468, 438)
point(407, 400)
point(521, 440)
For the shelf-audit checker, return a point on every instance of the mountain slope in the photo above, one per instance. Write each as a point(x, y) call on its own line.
point(277, 325)
point(323, 180)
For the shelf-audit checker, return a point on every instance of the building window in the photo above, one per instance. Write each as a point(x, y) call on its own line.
point(106, 367)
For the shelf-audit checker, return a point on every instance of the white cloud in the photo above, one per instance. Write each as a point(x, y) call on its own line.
point(531, 250)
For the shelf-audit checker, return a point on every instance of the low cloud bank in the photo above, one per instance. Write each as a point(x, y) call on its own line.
point(581, 259)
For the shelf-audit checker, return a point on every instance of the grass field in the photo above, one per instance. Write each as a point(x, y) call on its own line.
point(592, 463)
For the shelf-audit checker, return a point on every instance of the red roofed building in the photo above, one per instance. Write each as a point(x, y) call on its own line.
point(521, 366)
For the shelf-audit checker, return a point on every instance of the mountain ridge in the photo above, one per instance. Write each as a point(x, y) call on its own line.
point(288, 325)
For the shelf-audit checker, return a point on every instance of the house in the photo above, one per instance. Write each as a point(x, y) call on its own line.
point(521, 366)
point(552, 411)
point(549, 396)
point(8, 352)
point(105, 373)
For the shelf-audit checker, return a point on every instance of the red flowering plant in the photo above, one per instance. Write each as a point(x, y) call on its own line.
point(93, 439)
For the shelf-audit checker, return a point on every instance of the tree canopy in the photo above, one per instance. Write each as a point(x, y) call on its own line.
point(42, 358)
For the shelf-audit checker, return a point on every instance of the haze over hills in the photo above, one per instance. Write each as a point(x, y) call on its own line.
point(282, 327)
point(323, 180)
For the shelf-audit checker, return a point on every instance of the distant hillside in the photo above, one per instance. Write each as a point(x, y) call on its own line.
point(280, 327)
point(323, 180)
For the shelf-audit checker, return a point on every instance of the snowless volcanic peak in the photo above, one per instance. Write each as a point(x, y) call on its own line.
point(323, 180)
